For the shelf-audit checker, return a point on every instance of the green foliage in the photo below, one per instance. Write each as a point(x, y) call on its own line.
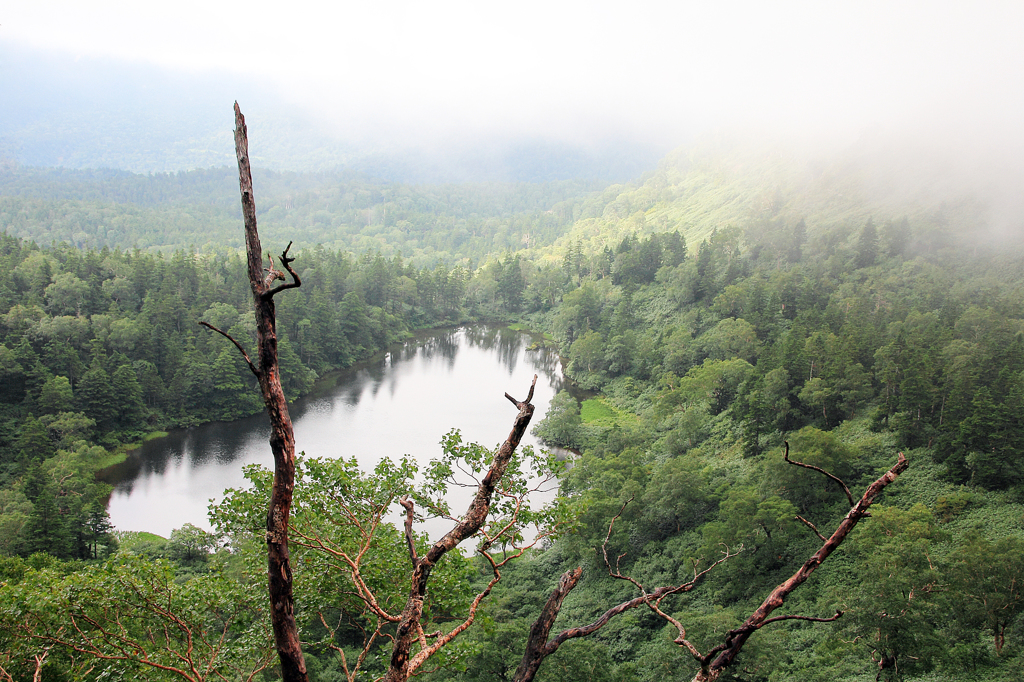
point(350, 560)
point(896, 610)
point(208, 625)
point(190, 544)
point(789, 318)
point(561, 425)
point(989, 578)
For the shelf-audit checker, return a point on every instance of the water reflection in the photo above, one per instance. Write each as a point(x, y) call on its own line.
point(399, 402)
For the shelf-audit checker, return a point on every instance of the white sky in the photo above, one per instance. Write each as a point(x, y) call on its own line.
point(661, 70)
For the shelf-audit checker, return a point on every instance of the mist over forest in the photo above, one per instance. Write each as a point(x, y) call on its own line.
point(777, 249)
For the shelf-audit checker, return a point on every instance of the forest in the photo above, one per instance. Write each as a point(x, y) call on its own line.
point(712, 316)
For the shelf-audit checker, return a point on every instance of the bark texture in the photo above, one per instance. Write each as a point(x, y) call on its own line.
point(282, 437)
point(537, 646)
point(403, 663)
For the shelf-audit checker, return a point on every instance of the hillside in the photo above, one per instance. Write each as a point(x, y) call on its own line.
point(726, 304)
point(198, 210)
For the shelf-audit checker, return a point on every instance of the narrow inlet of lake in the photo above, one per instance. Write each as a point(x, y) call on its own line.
point(401, 401)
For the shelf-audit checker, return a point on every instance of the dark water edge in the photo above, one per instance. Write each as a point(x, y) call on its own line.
point(399, 401)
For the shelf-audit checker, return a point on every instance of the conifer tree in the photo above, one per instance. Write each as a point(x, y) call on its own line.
point(867, 245)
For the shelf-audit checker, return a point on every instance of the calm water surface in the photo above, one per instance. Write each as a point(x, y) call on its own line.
point(399, 402)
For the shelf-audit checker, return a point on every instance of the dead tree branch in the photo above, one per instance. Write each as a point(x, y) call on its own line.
point(849, 495)
point(774, 619)
point(410, 538)
point(720, 657)
point(252, 367)
point(403, 662)
point(735, 639)
point(539, 647)
point(811, 526)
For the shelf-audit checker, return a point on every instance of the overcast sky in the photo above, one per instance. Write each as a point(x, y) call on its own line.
point(660, 71)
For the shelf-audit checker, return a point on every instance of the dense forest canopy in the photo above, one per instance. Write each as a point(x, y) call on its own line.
point(718, 306)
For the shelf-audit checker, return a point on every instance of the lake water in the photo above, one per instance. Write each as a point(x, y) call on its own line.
point(399, 402)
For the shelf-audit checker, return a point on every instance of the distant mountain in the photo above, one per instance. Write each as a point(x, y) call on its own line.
point(725, 181)
point(61, 111)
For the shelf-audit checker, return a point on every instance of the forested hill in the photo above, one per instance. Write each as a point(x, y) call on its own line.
point(715, 184)
point(199, 210)
point(724, 182)
point(708, 313)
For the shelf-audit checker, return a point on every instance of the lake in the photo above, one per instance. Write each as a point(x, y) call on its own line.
point(401, 401)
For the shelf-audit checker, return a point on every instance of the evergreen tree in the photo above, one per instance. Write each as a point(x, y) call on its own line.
point(511, 284)
point(896, 237)
point(33, 444)
point(45, 531)
point(867, 245)
point(55, 396)
point(96, 396)
point(796, 248)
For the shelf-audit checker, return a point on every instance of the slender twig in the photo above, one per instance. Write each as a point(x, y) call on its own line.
point(812, 527)
point(835, 478)
point(252, 367)
point(607, 537)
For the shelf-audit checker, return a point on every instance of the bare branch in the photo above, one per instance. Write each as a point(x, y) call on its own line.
point(529, 396)
point(774, 619)
point(607, 537)
point(538, 647)
point(537, 643)
point(409, 537)
point(811, 526)
point(402, 663)
point(838, 480)
point(252, 367)
point(286, 262)
point(735, 639)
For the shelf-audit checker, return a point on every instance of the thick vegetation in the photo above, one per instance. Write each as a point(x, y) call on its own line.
point(700, 346)
point(199, 210)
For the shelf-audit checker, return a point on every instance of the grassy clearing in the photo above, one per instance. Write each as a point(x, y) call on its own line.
point(597, 411)
point(128, 539)
point(121, 453)
point(111, 459)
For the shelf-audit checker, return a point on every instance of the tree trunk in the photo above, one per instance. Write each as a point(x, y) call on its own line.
point(402, 663)
point(537, 646)
point(282, 437)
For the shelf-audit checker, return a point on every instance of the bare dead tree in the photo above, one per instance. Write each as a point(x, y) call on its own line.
point(410, 623)
point(282, 436)
point(716, 660)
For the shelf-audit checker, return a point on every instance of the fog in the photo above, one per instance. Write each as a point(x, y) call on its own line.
point(942, 78)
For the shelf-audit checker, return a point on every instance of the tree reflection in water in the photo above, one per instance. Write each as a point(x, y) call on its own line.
point(400, 401)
